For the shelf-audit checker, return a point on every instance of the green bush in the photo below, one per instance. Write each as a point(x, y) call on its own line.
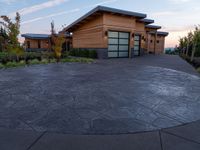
point(22, 63)
point(44, 61)
point(34, 62)
point(198, 69)
point(52, 60)
point(82, 60)
point(65, 54)
point(11, 64)
point(83, 53)
point(1, 66)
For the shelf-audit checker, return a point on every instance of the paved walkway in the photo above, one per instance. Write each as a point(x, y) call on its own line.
point(123, 103)
point(185, 137)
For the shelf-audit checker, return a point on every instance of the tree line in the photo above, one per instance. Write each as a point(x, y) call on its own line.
point(189, 45)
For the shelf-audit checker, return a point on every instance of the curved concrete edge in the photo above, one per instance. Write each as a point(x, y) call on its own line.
point(182, 137)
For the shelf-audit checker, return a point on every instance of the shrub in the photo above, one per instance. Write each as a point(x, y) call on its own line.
point(47, 55)
point(65, 54)
point(1, 66)
point(44, 61)
point(196, 63)
point(52, 60)
point(198, 69)
point(22, 63)
point(11, 64)
point(32, 55)
point(83, 60)
point(93, 54)
point(34, 62)
point(83, 53)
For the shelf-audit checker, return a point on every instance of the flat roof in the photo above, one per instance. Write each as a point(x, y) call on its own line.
point(160, 33)
point(106, 9)
point(146, 21)
point(36, 36)
point(153, 26)
point(41, 36)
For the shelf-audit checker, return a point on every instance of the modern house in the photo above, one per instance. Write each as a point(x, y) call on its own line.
point(42, 42)
point(111, 32)
point(116, 33)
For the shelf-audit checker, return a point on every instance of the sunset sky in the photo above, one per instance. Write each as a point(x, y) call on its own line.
point(175, 16)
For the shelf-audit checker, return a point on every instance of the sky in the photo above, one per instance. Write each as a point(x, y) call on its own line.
point(175, 16)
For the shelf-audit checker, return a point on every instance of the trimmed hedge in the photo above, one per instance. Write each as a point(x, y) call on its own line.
point(83, 53)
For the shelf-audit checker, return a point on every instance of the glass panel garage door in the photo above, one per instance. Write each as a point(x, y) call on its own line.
point(137, 40)
point(118, 44)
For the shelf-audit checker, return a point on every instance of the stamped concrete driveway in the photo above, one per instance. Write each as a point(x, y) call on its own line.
point(106, 97)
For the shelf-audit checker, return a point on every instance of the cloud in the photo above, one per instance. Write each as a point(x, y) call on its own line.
point(179, 1)
point(38, 7)
point(102, 3)
point(8, 2)
point(179, 28)
point(65, 12)
point(163, 13)
point(51, 15)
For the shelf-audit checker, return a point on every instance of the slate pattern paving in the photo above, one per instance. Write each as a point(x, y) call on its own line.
point(106, 97)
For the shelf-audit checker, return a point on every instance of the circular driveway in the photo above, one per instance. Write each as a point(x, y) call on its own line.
point(106, 97)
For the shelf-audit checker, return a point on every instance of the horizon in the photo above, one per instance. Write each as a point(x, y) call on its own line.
point(173, 15)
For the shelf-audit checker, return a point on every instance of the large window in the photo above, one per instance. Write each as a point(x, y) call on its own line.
point(118, 44)
point(137, 40)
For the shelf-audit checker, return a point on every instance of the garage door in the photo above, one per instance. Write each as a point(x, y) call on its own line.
point(137, 41)
point(118, 44)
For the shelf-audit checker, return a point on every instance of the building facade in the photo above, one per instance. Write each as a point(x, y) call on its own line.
point(42, 42)
point(115, 33)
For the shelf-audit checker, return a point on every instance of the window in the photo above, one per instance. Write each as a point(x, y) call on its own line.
point(39, 44)
point(158, 41)
point(151, 41)
point(28, 44)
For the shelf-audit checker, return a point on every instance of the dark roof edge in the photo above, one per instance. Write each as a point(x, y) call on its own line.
point(147, 21)
point(160, 33)
point(106, 9)
point(153, 26)
point(35, 36)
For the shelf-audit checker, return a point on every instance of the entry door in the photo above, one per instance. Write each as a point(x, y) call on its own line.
point(118, 44)
point(137, 41)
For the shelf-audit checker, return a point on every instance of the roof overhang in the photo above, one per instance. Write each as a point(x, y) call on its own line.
point(97, 11)
point(160, 33)
point(36, 36)
point(146, 21)
point(153, 27)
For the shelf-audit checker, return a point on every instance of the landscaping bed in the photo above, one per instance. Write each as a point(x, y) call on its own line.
point(195, 63)
point(32, 58)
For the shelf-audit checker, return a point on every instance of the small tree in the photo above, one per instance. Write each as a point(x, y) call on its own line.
point(12, 30)
point(189, 42)
point(196, 42)
point(56, 42)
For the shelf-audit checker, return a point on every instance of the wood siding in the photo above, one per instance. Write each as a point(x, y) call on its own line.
point(90, 34)
point(34, 43)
